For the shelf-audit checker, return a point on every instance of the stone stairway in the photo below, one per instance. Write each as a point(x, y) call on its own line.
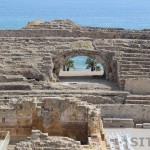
point(132, 56)
point(138, 99)
point(133, 67)
point(97, 99)
point(11, 147)
point(15, 86)
point(90, 96)
point(14, 82)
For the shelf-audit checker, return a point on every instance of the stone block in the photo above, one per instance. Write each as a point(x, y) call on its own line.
point(118, 122)
point(82, 45)
point(138, 86)
point(146, 125)
point(15, 86)
point(139, 125)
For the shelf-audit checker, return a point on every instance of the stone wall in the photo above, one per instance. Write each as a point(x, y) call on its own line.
point(139, 113)
point(61, 117)
point(40, 141)
point(57, 116)
point(138, 86)
point(17, 117)
point(38, 58)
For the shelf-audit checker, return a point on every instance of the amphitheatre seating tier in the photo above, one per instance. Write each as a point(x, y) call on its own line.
point(32, 98)
point(138, 99)
point(129, 59)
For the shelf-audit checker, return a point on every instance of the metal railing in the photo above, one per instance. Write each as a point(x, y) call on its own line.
point(5, 141)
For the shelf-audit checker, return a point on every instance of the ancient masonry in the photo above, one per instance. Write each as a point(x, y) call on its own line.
point(40, 114)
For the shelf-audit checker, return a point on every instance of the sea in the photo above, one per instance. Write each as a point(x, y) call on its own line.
point(128, 14)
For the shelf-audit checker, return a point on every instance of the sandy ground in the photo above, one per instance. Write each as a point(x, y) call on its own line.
point(84, 80)
point(79, 73)
point(137, 134)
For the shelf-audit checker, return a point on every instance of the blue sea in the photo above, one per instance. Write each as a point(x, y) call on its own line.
point(80, 64)
point(129, 14)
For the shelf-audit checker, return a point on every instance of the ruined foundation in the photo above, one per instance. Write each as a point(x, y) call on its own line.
point(34, 106)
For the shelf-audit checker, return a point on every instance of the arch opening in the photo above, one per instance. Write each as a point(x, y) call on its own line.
point(82, 66)
point(105, 61)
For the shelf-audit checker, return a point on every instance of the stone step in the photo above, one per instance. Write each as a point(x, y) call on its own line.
point(11, 78)
point(41, 93)
point(144, 102)
point(4, 98)
point(135, 70)
point(134, 73)
point(118, 122)
point(135, 58)
point(98, 100)
point(133, 76)
point(11, 147)
point(134, 66)
point(134, 62)
point(138, 97)
point(129, 65)
point(15, 86)
point(4, 101)
point(138, 51)
point(37, 87)
point(138, 55)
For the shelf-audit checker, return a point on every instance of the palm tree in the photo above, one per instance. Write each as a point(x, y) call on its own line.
point(68, 64)
point(91, 63)
point(64, 68)
point(98, 68)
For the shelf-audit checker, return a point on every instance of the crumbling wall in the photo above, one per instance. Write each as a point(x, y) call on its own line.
point(39, 140)
point(66, 118)
point(16, 116)
point(53, 115)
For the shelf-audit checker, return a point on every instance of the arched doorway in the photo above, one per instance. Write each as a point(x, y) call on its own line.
point(81, 68)
point(105, 59)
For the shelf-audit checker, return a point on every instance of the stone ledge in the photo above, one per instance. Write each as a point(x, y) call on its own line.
point(138, 86)
point(118, 122)
point(15, 86)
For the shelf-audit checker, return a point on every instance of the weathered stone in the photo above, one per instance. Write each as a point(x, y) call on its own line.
point(146, 125)
point(118, 123)
point(15, 86)
point(139, 125)
point(50, 143)
point(82, 45)
point(123, 53)
point(30, 62)
point(138, 86)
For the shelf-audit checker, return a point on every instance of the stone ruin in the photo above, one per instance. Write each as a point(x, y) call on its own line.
point(32, 99)
point(40, 140)
point(67, 119)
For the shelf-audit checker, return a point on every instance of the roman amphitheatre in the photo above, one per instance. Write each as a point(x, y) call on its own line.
point(40, 112)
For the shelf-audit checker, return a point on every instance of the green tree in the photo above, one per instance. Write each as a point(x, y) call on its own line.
point(98, 68)
point(91, 63)
point(68, 64)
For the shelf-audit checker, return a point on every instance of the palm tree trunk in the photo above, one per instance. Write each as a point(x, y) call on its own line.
point(92, 67)
point(64, 68)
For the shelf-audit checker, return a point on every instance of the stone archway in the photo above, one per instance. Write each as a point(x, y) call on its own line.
point(104, 58)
